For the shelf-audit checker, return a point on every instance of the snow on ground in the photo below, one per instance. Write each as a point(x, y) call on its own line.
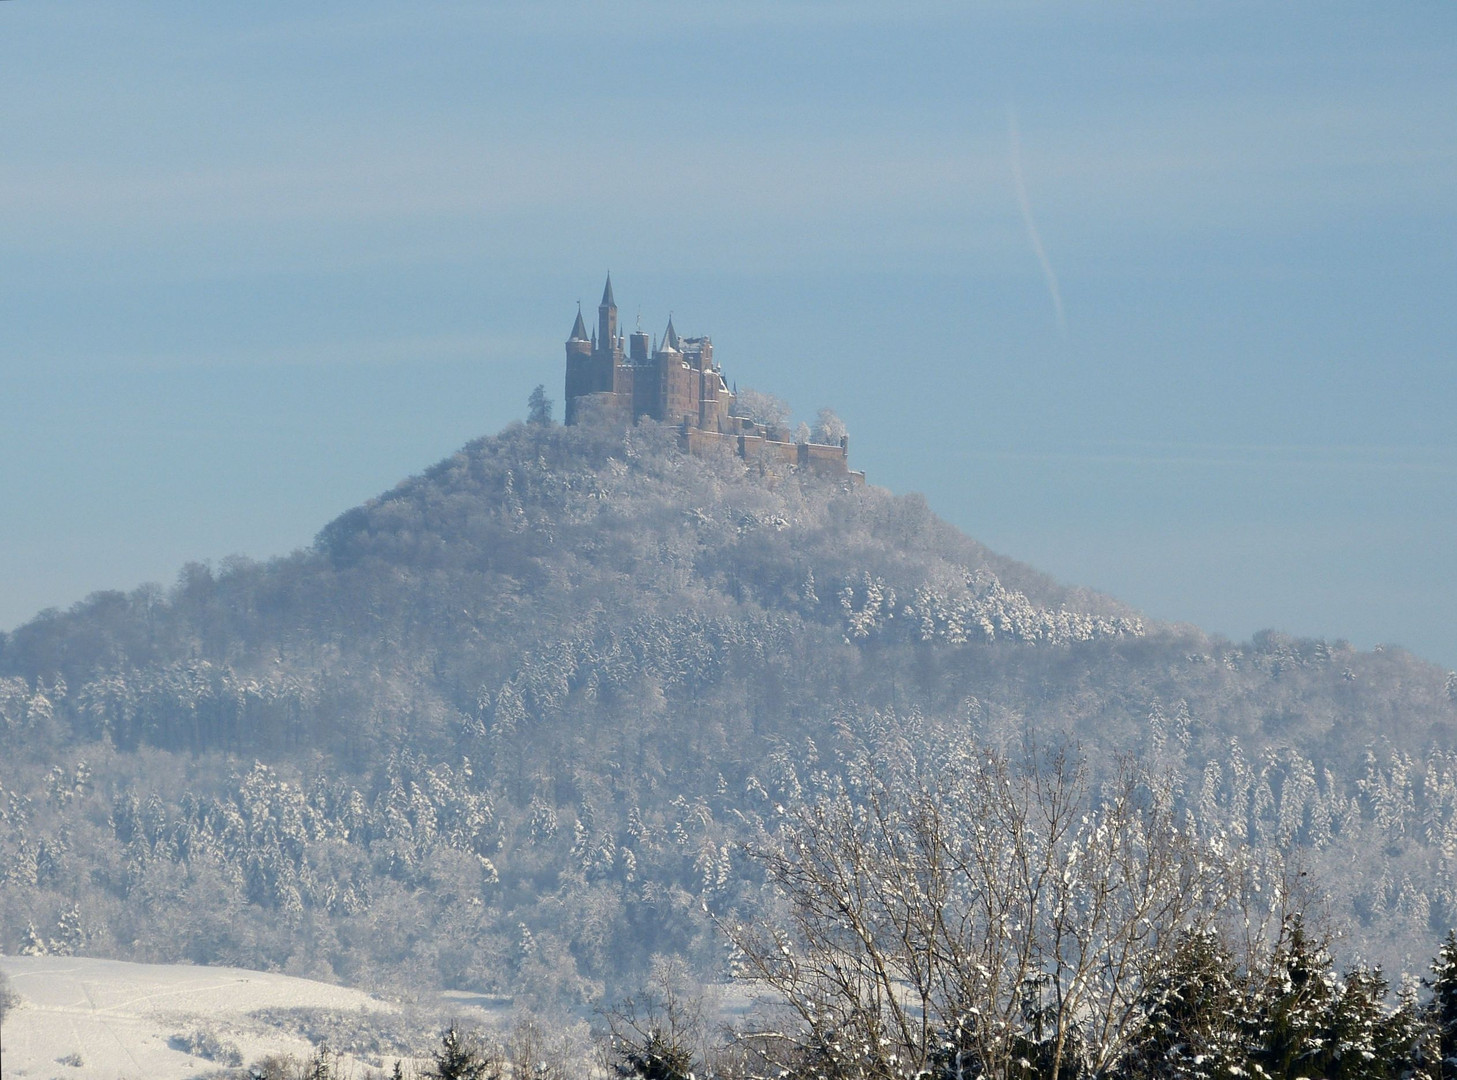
point(116, 1019)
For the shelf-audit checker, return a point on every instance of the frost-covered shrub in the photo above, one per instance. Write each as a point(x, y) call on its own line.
point(353, 1032)
point(205, 1044)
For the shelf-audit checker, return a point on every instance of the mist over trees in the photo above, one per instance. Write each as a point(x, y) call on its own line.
point(511, 725)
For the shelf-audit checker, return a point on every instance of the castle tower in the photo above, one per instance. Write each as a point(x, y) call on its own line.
point(578, 344)
point(677, 396)
point(607, 320)
point(579, 366)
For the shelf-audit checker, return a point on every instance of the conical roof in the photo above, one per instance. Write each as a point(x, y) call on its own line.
point(670, 337)
point(579, 328)
point(607, 300)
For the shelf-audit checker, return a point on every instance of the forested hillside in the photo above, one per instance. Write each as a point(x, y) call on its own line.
point(506, 726)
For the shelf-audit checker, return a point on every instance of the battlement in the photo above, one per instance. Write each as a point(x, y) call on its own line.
point(676, 382)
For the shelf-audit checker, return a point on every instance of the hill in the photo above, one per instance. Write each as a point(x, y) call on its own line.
point(503, 727)
point(109, 1018)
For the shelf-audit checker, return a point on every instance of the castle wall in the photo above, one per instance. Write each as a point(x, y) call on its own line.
point(624, 377)
point(754, 447)
point(697, 441)
point(679, 400)
point(604, 404)
point(646, 390)
point(829, 460)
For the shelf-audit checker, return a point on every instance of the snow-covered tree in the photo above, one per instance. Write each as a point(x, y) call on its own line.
point(1194, 1016)
point(1003, 901)
point(1410, 1045)
point(538, 407)
point(1443, 1006)
point(762, 408)
point(320, 1066)
point(32, 943)
point(661, 1032)
point(1291, 1011)
point(460, 1057)
point(71, 934)
point(8, 997)
point(829, 429)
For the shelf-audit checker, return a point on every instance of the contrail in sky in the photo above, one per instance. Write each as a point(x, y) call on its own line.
point(1031, 224)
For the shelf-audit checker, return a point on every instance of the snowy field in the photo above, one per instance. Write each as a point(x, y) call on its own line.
point(79, 1017)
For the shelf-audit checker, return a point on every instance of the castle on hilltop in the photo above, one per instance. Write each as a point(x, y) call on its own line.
point(676, 382)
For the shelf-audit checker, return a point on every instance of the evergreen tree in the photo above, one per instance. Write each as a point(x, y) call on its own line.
point(1356, 1030)
point(1194, 1016)
point(658, 1058)
point(459, 1059)
point(538, 406)
point(319, 1066)
point(657, 1033)
point(1291, 1012)
point(1443, 1005)
point(71, 935)
point(32, 944)
point(1409, 1043)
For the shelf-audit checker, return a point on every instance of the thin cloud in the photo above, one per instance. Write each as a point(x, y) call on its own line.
point(1027, 219)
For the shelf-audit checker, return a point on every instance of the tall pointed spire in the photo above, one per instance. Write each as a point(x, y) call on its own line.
point(670, 337)
point(607, 320)
point(579, 328)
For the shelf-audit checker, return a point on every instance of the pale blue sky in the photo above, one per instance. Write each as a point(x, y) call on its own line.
point(258, 262)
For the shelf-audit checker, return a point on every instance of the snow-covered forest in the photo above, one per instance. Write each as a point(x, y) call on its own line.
point(516, 726)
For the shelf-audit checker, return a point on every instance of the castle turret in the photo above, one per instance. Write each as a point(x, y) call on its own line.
point(638, 340)
point(607, 319)
point(580, 376)
point(579, 337)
